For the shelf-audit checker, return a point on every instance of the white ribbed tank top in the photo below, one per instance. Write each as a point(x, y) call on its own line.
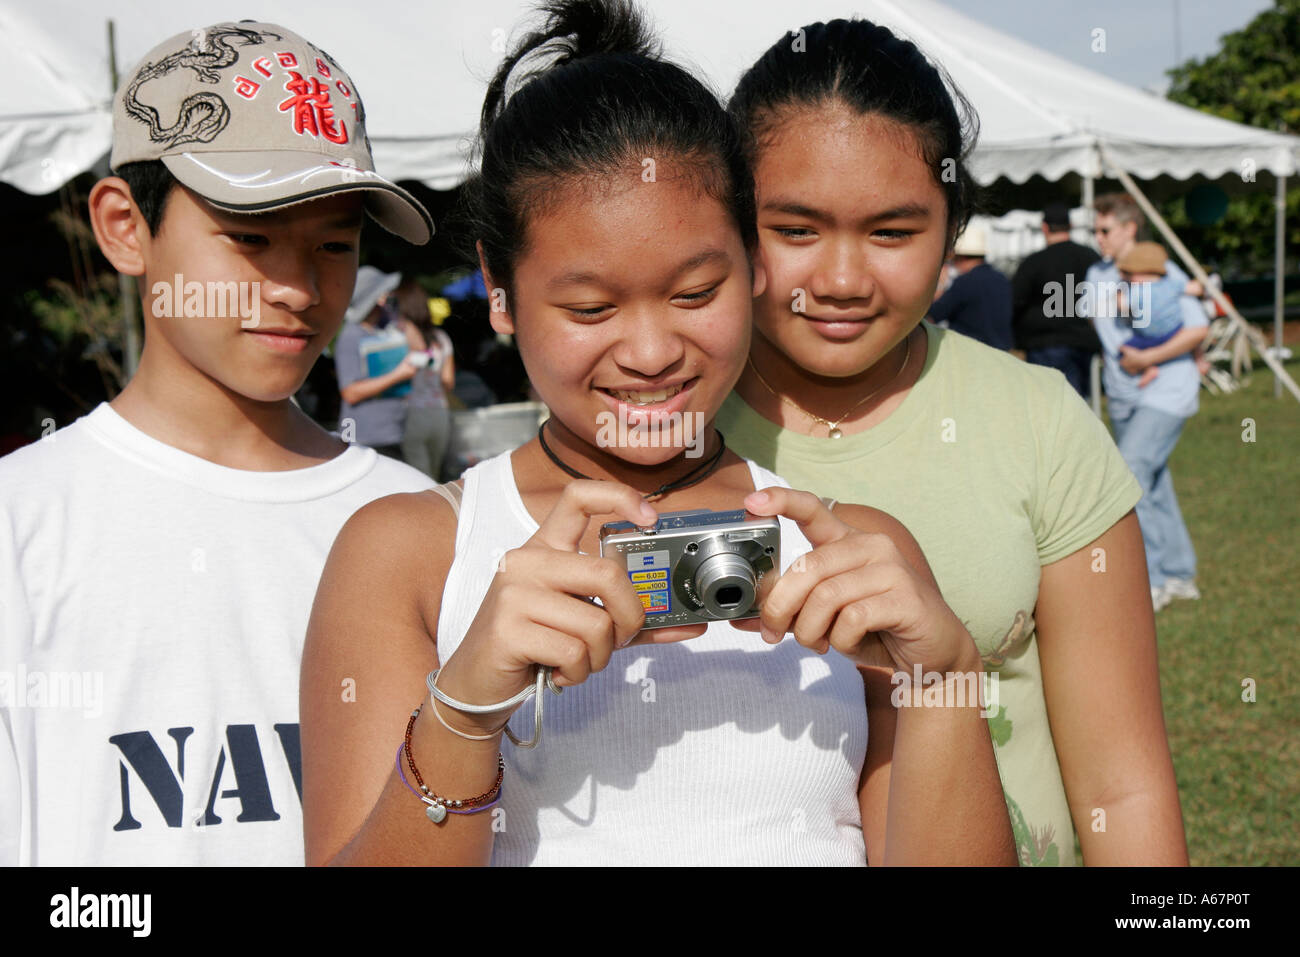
point(718, 750)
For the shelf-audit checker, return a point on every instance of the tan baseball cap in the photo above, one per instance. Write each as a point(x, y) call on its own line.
point(1145, 258)
point(253, 117)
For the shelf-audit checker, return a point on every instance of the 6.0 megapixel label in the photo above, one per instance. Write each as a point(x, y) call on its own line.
point(649, 574)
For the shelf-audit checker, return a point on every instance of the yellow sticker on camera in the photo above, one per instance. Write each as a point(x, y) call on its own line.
point(648, 572)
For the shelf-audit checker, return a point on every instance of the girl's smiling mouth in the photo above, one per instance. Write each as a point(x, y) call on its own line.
point(641, 402)
point(840, 329)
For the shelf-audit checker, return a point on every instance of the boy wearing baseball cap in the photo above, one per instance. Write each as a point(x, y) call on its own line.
point(159, 556)
point(1151, 300)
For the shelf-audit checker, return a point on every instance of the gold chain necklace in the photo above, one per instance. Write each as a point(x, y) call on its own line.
point(833, 428)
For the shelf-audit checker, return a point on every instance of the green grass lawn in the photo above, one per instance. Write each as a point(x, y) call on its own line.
point(1238, 763)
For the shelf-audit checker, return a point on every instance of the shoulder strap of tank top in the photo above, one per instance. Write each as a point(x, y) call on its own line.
point(453, 494)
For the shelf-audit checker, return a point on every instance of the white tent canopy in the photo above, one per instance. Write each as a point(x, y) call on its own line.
point(422, 70)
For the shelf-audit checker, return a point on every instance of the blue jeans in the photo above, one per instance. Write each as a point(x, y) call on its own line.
point(1146, 438)
point(1073, 363)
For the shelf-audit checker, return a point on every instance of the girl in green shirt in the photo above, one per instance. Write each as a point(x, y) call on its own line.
point(1014, 491)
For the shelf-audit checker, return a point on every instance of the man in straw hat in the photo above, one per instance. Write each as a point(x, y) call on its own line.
point(978, 303)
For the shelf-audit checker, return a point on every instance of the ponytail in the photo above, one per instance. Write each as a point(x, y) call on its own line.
point(587, 95)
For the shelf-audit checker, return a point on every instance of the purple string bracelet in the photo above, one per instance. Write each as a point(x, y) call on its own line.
point(432, 803)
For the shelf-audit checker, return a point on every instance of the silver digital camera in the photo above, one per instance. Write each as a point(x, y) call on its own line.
point(696, 566)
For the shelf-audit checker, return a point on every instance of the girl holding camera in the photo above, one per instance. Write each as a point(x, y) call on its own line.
point(614, 224)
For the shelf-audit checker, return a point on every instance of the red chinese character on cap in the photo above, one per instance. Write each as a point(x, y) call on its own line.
point(246, 87)
point(312, 111)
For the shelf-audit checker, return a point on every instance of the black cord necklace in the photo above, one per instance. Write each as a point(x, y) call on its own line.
point(693, 477)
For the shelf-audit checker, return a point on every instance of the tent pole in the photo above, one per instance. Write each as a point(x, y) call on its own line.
point(1094, 384)
point(125, 283)
point(1087, 199)
point(1253, 335)
point(1089, 184)
point(1279, 265)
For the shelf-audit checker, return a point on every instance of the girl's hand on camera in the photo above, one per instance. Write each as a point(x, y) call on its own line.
point(857, 593)
point(537, 610)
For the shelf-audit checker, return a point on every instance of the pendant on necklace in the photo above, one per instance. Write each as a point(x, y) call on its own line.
point(835, 433)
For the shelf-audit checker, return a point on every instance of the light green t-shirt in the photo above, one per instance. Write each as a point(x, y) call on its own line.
point(997, 467)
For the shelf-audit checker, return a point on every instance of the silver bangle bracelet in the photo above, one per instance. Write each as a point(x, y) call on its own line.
point(544, 680)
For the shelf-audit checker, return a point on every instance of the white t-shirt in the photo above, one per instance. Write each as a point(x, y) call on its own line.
point(721, 750)
point(153, 608)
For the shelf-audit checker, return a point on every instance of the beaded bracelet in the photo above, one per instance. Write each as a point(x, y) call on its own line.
point(440, 807)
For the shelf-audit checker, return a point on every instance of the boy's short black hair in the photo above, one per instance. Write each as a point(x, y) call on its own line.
point(151, 184)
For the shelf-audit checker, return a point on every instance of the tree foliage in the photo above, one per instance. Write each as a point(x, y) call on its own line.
point(1254, 78)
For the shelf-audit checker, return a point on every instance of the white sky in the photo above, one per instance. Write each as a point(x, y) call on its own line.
point(1140, 42)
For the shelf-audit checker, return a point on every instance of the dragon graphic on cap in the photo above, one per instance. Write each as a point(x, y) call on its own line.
point(202, 116)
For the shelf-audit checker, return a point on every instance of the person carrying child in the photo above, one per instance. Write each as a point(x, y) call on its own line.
point(1148, 417)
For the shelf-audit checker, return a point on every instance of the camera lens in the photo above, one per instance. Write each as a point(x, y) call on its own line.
point(726, 585)
point(728, 596)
